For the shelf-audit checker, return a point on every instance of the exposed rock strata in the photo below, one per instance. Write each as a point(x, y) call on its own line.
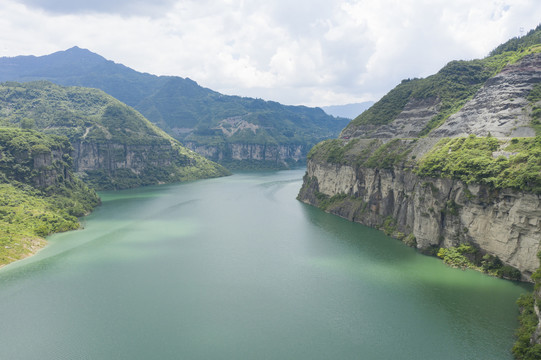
point(411, 121)
point(49, 168)
point(279, 154)
point(111, 156)
point(498, 108)
point(438, 212)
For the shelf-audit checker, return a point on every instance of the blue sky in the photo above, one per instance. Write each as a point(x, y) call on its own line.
point(311, 52)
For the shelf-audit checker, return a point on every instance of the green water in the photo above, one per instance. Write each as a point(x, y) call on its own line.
point(236, 268)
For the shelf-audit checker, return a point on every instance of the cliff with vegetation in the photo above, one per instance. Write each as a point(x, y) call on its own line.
point(461, 192)
point(208, 122)
point(40, 194)
point(450, 164)
point(113, 145)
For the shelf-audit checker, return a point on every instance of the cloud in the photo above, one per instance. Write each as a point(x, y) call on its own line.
point(122, 7)
point(313, 52)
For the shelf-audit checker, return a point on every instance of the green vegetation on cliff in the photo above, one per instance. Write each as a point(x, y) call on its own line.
point(525, 348)
point(39, 193)
point(486, 160)
point(534, 97)
point(373, 153)
point(116, 147)
point(466, 256)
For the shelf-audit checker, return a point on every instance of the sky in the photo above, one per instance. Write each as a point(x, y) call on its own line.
point(309, 52)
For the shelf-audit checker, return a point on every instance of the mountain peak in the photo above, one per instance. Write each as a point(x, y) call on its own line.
point(77, 52)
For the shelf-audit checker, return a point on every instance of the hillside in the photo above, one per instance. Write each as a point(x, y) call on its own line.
point(451, 165)
point(223, 128)
point(469, 128)
point(40, 194)
point(497, 85)
point(113, 145)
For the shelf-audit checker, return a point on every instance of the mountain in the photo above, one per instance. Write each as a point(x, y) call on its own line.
point(229, 129)
point(114, 146)
point(40, 194)
point(451, 165)
point(348, 111)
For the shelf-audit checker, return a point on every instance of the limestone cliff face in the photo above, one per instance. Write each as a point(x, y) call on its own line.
point(499, 108)
point(277, 153)
point(111, 156)
point(50, 168)
point(409, 123)
point(438, 212)
point(365, 178)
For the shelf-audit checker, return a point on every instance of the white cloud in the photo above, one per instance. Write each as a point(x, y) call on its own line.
point(314, 52)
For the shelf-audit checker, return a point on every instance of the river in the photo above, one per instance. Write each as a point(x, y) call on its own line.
point(236, 268)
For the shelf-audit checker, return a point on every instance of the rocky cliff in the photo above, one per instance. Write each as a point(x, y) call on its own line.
point(412, 166)
point(500, 108)
point(40, 194)
point(370, 176)
point(35, 159)
point(438, 212)
point(275, 155)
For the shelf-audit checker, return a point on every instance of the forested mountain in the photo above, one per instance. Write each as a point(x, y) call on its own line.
point(114, 146)
point(451, 165)
point(221, 127)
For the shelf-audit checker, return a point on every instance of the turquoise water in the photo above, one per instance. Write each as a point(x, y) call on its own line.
point(236, 268)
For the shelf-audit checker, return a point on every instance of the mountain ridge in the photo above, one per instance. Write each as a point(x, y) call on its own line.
point(187, 111)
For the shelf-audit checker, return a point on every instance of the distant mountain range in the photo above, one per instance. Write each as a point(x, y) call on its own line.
point(230, 129)
point(348, 111)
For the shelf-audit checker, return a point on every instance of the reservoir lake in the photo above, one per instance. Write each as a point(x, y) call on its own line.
point(237, 268)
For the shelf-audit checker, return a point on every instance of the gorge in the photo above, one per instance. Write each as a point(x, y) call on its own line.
point(449, 164)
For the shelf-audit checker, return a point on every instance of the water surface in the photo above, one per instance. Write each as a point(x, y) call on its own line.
point(236, 268)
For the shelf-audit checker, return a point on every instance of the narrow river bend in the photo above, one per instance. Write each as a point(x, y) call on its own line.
point(236, 268)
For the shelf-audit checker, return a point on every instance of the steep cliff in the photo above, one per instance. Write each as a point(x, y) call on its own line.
point(437, 212)
point(413, 166)
point(40, 194)
point(237, 154)
point(114, 146)
point(381, 172)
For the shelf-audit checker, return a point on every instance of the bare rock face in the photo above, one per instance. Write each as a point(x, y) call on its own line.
point(499, 107)
point(416, 114)
point(438, 212)
point(279, 154)
point(50, 168)
point(441, 212)
point(110, 156)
